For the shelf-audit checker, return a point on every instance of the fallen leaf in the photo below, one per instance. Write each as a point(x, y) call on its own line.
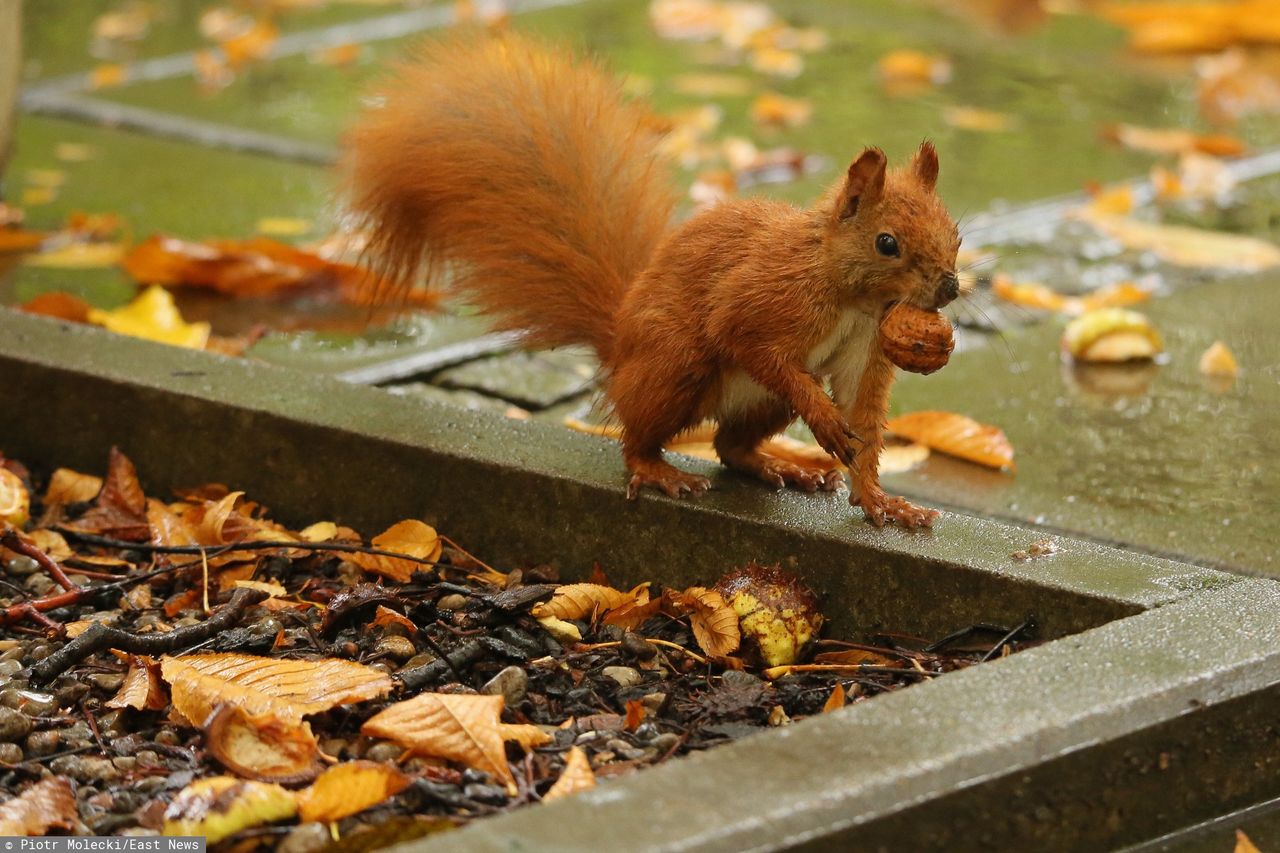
point(1218, 360)
point(288, 689)
point(154, 317)
point(771, 108)
point(957, 435)
point(261, 746)
point(74, 152)
point(907, 69)
point(51, 543)
point(62, 306)
point(575, 777)
point(1173, 140)
point(977, 120)
point(15, 503)
point(777, 62)
point(1186, 246)
point(107, 76)
point(78, 256)
point(582, 601)
point(348, 788)
point(251, 45)
point(120, 508)
point(36, 196)
point(142, 689)
point(714, 623)
point(1041, 296)
point(338, 55)
point(457, 727)
point(711, 85)
point(411, 538)
point(280, 226)
point(48, 804)
point(221, 806)
point(13, 240)
point(563, 632)
point(836, 700)
point(855, 657)
point(1236, 84)
point(1243, 844)
point(1111, 335)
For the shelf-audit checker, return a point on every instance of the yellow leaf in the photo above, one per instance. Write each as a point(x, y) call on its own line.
point(289, 689)
point(461, 728)
point(771, 108)
point(1219, 361)
point(223, 805)
point(564, 632)
point(74, 152)
point(281, 226)
point(107, 76)
point(1186, 246)
point(582, 600)
point(714, 623)
point(69, 487)
point(956, 435)
point(78, 256)
point(321, 531)
point(348, 788)
point(154, 317)
point(15, 503)
point(576, 776)
point(1243, 844)
point(34, 196)
point(411, 538)
point(47, 804)
point(977, 120)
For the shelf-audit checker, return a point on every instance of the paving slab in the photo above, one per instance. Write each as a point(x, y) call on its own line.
point(1155, 456)
point(365, 458)
point(534, 380)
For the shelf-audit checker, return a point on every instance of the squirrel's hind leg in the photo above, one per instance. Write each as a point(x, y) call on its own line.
point(653, 409)
point(738, 444)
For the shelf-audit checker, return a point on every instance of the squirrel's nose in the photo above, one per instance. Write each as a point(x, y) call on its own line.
point(949, 289)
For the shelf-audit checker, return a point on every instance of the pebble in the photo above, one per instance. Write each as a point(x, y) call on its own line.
point(77, 734)
point(9, 667)
point(14, 726)
point(167, 737)
point(305, 838)
point(665, 742)
point(384, 751)
point(10, 753)
point(269, 626)
point(21, 566)
point(39, 653)
point(148, 758)
point(333, 746)
point(39, 585)
point(383, 666)
point(125, 762)
point(638, 647)
point(738, 678)
point(452, 601)
point(512, 683)
point(625, 676)
point(106, 681)
point(40, 744)
point(420, 659)
point(494, 795)
point(397, 648)
point(69, 695)
point(85, 768)
point(16, 653)
point(653, 702)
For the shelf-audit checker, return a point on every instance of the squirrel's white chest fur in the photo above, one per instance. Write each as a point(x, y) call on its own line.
point(840, 357)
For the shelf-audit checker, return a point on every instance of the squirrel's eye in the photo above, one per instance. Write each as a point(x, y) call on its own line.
point(887, 246)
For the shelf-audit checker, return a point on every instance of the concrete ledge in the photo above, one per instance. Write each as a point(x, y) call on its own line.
point(523, 493)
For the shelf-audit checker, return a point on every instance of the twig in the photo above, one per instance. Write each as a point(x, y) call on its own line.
point(11, 540)
point(852, 668)
point(100, 637)
point(1026, 625)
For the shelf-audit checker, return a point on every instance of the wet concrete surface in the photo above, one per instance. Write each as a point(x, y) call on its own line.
point(1153, 455)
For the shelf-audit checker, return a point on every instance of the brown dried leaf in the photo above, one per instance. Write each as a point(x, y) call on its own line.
point(121, 509)
point(957, 435)
point(48, 804)
point(348, 788)
point(142, 689)
point(461, 728)
point(836, 700)
point(714, 623)
point(576, 776)
point(71, 487)
point(289, 689)
point(583, 600)
point(262, 747)
point(59, 305)
point(384, 616)
point(854, 657)
point(410, 537)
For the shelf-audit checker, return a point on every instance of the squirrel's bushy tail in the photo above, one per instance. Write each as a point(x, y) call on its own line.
point(520, 171)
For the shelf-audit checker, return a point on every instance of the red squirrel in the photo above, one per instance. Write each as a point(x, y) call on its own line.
point(524, 176)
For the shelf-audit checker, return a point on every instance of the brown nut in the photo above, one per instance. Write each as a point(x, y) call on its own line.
point(916, 340)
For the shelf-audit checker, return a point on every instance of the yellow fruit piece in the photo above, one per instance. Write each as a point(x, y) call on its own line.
point(776, 613)
point(154, 317)
point(1218, 360)
point(15, 503)
point(1111, 335)
point(223, 805)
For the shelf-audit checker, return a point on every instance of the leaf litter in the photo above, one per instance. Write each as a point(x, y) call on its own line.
point(321, 686)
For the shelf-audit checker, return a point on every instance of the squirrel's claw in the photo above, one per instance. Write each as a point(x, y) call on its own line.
point(669, 480)
point(881, 508)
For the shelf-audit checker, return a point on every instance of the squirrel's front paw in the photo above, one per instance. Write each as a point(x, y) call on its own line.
point(835, 436)
point(880, 508)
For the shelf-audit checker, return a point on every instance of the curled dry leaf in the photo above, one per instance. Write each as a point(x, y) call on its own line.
point(576, 776)
point(287, 689)
point(957, 435)
point(461, 728)
point(384, 616)
point(714, 623)
point(48, 804)
point(584, 600)
point(262, 747)
point(1188, 247)
point(221, 806)
point(1111, 335)
point(121, 506)
point(142, 689)
point(15, 503)
point(563, 632)
point(410, 537)
point(348, 788)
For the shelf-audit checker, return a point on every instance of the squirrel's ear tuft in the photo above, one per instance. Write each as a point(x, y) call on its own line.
point(925, 165)
point(864, 184)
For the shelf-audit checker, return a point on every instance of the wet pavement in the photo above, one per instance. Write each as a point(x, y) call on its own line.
point(1151, 457)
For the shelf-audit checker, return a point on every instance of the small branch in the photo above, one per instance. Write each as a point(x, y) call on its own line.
point(11, 540)
point(101, 637)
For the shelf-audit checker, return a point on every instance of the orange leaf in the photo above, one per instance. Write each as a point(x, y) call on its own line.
point(461, 728)
point(348, 788)
point(581, 600)
point(385, 616)
point(62, 306)
point(254, 44)
point(121, 505)
point(576, 776)
point(19, 240)
point(289, 689)
point(262, 747)
point(635, 714)
point(1243, 844)
point(142, 689)
point(107, 76)
point(853, 657)
point(957, 435)
point(714, 623)
point(411, 538)
point(1173, 140)
point(45, 805)
point(835, 701)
